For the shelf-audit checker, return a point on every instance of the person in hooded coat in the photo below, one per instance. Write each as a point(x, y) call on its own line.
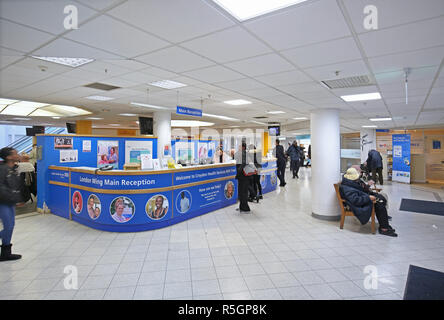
point(374, 165)
point(361, 203)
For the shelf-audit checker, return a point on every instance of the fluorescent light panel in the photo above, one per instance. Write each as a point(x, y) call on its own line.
point(219, 117)
point(380, 119)
point(369, 126)
point(99, 98)
point(237, 102)
point(71, 62)
point(246, 9)
point(11, 110)
point(167, 84)
point(127, 114)
point(362, 97)
point(7, 101)
point(301, 118)
point(148, 105)
point(190, 123)
point(275, 112)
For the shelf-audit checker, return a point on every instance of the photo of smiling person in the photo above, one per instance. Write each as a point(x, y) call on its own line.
point(77, 202)
point(122, 209)
point(183, 201)
point(94, 207)
point(157, 207)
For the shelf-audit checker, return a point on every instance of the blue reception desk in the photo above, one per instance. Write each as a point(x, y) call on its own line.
point(128, 201)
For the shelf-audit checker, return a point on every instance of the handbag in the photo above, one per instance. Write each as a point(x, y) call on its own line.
point(249, 170)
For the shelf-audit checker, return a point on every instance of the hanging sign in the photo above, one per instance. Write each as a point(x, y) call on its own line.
point(189, 111)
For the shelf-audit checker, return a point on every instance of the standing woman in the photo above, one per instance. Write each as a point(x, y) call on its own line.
point(10, 195)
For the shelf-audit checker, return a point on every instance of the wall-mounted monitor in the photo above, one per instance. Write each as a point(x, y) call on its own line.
point(146, 125)
point(274, 131)
point(30, 132)
point(71, 127)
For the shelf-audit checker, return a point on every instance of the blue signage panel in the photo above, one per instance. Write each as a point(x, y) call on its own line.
point(189, 111)
point(58, 175)
point(204, 174)
point(121, 182)
point(401, 157)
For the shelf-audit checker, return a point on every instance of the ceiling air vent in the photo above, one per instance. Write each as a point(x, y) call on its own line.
point(101, 86)
point(261, 117)
point(350, 82)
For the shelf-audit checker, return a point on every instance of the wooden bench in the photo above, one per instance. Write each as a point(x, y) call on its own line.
point(345, 213)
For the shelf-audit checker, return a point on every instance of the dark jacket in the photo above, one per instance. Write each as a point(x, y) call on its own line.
point(10, 185)
point(280, 154)
point(357, 199)
point(294, 153)
point(374, 160)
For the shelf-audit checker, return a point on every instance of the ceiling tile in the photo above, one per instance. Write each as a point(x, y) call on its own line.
point(176, 21)
point(45, 15)
point(227, 45)
point(266, 64)
point(393, 12)
point(214, 74)
point(67, 48)
point(175, 59)
point(413, 59)
point(408, 37)
point(299, 25)
point(99, 4)
point(346, 69)
point(241, 85)
point(324, 53)
point(284, 78)
point(24, 39)
point(111, 35)
point(425, 74)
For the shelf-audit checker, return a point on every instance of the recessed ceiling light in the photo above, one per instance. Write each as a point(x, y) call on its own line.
point(380, 119)
point(190, 123)
point(234, 127)
point(71, 62)
point(127, 114)
point(362, 97)
point(369, 126)
point(300, 118)
point(114, 124)
point(219, 117)
point(247, 9)
point(167, 84)
point(28, 104)
point(148, 105)
point(237, 102)
point(275, 112)
point(93, 118)
point(258, 122)
point(56, 117)
point(22, 119)
point(99, 98)
point(7, 101)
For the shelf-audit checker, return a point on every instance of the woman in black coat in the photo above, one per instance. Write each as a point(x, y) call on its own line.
point(361, 203)
point(10, 195)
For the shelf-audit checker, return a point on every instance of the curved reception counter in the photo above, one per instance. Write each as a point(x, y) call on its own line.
point(129, 201)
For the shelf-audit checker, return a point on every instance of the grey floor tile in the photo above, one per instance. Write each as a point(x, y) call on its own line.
point(177, 290)
point(232, 285)
point(205, 287)
point(151, 292)
point(294, 293)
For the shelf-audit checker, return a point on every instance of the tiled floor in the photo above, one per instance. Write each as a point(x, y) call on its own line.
point(277, 252)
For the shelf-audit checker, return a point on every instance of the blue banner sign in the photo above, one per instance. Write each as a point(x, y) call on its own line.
point(189, 111)
point(401, 157)
point(185, 177)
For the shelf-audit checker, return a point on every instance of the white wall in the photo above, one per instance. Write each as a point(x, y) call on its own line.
point(9, 134)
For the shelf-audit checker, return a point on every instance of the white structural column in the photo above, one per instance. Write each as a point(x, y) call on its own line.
point(162, 130)
point(368, 142)
point(325, 164)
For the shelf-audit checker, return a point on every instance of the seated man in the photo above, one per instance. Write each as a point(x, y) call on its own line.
point(361, 200)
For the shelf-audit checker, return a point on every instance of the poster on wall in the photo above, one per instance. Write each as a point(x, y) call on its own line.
point(401, 158)
point(184, 151)
point(367, 142)
point(62, 142)
point(69, 156)
point(134, 149)
point(86, 145)
point(202, 150)
point(211, 149)
point(108, 153)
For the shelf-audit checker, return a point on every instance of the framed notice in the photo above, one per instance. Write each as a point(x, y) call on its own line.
point(108, 153)
point(146, 162)
point(69, 156)
point(135, 149)
point(86, 146)
point(62, 142)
